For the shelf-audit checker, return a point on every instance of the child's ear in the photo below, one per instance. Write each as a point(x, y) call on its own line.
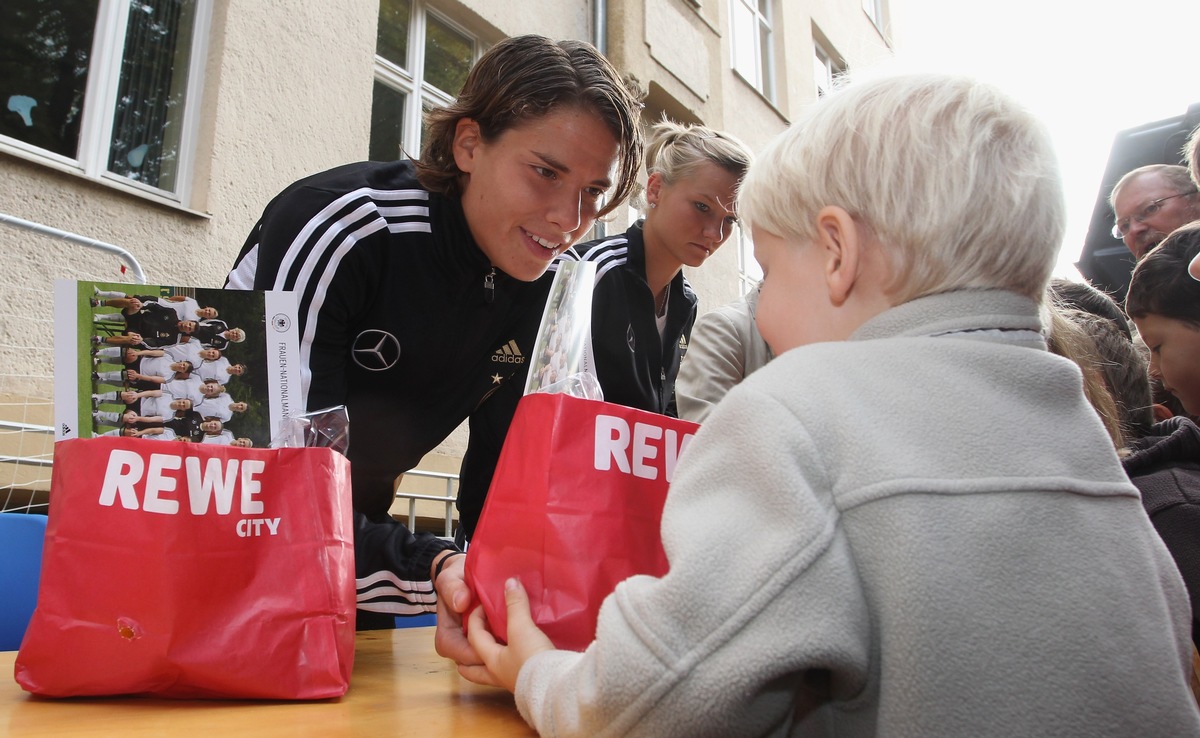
point(466, 141)
point(841, 239)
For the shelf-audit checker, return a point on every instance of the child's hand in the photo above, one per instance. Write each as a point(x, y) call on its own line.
point(503, 663)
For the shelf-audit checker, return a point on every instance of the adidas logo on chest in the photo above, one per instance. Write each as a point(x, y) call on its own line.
point(509, 353)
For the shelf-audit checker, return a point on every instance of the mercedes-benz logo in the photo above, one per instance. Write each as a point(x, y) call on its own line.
point(375, 350)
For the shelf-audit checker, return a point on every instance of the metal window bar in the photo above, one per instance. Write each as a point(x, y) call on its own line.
point(448, 499)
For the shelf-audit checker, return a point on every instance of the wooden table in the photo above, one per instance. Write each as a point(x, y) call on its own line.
point(400, 687)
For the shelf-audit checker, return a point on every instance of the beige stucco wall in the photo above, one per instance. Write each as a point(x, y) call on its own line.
point(681, 53)
point(287, 93)
point(553, 18)
point(274, 108)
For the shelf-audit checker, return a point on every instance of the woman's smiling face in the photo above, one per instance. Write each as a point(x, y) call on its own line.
point(535, 189)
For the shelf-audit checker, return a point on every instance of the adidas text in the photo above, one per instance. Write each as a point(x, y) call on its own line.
point(508, 354)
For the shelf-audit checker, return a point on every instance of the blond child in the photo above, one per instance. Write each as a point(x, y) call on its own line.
point(910, 522)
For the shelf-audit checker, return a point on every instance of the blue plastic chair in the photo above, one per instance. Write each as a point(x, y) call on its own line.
point(21, 538)
point(416, 621)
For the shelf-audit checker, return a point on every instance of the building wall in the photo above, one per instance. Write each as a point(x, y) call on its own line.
point(288, 92)
point(680, 52)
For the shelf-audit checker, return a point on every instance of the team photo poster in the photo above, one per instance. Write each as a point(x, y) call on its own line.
point(172, 363)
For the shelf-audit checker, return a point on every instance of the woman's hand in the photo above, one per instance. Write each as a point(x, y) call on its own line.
point(453, 599)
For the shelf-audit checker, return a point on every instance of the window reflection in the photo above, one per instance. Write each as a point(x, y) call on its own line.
point(148, 112)
point(139, 52)
point(408, 80)
point(448, 56)
point(44, 70)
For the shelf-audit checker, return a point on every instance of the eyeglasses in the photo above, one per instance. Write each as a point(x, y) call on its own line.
point(1121, 227)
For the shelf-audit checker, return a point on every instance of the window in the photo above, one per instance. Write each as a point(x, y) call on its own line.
point(874, 11)
point(822, 71)
point(825, 69)
point(749, 272)
point(421, 61)
point(752, 51)
point(109, 89)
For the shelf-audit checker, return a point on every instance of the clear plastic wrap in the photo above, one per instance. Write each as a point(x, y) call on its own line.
point(328, 428)
point(583, 385)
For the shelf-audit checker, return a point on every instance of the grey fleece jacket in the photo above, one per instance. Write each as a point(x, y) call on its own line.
point(726, 347)
point(934, 537)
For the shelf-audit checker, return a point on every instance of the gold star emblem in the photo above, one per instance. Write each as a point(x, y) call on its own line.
point(497, 379)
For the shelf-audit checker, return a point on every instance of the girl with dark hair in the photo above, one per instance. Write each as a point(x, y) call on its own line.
point(1164, 302)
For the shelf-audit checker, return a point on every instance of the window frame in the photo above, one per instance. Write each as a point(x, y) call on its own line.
point(874, 9)
point(749, 272)
point(822, 62)
point(404, 80)
point(99, 109)
point(764, 78)
point(826, 60)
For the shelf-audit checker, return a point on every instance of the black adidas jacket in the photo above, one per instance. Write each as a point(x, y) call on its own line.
point(402, 319)
point(635, 366)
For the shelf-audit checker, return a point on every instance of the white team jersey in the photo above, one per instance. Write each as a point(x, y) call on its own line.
point(218, 370)
point(185, 308)
point(224, 438)
point(217, 407)
point(187, 351)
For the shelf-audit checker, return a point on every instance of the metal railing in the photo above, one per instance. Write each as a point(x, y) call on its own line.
point(25, 491)
point(139, 276)
point(129, 262)
point(38, 460)
point(448, 499)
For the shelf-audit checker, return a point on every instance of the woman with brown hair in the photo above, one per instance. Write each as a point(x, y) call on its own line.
point(412, 276)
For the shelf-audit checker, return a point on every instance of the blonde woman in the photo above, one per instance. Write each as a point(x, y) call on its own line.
point(643, 308)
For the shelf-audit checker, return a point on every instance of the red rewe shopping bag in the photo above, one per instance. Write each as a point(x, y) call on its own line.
point(194, 570)
point(573, 510)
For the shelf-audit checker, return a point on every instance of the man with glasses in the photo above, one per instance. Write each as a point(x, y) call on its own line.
point(1150, 202)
